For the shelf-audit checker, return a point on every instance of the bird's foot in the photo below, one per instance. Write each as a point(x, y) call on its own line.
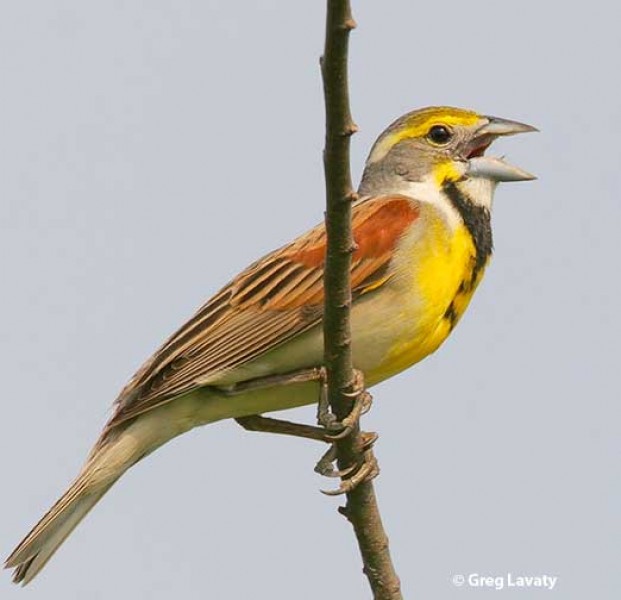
point(331, 430)
point(337, 430)
point(351, 477)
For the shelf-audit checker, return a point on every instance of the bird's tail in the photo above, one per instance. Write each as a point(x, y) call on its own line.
point(116, 451)
point(52, 530)
point(107, 462)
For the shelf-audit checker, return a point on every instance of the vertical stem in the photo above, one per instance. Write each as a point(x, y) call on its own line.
point(362, 509)
point(339, 192)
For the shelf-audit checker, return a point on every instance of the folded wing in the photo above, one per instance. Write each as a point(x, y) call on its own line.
point(273, 300)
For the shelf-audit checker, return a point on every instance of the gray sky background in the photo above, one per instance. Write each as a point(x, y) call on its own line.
point(152, 149)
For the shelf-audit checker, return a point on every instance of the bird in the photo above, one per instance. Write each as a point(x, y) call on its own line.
point(423, 239)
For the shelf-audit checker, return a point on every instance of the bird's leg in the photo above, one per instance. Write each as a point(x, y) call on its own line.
point(310, 432)
point(330, 431)
point(325, 418)
point(362, 403)
point(301, 376)
point(280, 426)
point(362, 470)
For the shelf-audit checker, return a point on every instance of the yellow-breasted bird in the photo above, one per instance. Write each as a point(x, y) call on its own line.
point(423, 234)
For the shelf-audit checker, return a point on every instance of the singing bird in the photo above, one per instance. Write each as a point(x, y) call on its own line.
point(423, 240)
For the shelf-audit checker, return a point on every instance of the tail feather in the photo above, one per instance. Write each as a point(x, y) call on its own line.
point(52, 530)
point(115, 452)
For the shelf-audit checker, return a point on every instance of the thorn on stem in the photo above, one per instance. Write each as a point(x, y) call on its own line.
point(343, 510)
point(349, 130)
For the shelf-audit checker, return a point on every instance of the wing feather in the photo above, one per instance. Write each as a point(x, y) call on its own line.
point(273, 300)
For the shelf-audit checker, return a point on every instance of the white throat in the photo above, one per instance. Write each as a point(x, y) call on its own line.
point(479, 190)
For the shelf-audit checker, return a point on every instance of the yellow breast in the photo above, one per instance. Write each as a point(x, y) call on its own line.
point(436, 279)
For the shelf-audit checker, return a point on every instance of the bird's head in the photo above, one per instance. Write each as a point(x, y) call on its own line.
point(439, 146)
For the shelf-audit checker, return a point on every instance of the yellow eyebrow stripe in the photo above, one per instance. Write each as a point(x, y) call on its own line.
point(418, 124)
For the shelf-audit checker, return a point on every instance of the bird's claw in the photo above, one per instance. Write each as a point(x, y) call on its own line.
point(363, 471)
point(367, 471)
point(339, 430)
point(362, 404)
point(367, 468)
point(325, 465)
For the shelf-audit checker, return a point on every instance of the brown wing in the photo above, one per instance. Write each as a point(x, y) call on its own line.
point(273, 300)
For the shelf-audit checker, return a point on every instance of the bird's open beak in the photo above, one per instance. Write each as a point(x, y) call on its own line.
point(496, 127)
point(490, 167)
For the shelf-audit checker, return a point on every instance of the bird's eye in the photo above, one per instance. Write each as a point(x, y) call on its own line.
point(440, 135)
